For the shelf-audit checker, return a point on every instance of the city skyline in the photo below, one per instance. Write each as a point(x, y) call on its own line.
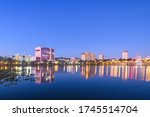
point(79, 55)
point(46, 53)
point(73, 27)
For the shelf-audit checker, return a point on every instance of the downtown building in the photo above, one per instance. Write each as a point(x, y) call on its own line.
point(88, 56)
point(125, 54)
point(44, 54)
point(21, 58)
point(101, 57)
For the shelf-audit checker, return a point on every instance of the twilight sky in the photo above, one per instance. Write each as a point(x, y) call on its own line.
point(75, 26)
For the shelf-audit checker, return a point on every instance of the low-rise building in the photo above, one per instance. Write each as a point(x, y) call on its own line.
point(19, 57)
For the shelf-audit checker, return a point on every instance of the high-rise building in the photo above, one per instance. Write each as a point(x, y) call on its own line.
point(83, 56)
point(93, 57)
point(101, 57)
point(43, 53)
point(125, 54)
point(88, 56)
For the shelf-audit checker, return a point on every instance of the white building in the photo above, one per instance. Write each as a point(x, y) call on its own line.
point(88, 56)
point(74, 60)
point(101, 57)
point(19, 57)
point(43, 53)
point(125, 54)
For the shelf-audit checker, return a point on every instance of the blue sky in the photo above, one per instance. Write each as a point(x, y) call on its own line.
point(75, 26)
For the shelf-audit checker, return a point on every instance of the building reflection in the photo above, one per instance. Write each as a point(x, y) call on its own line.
point(147, 73)
point(71, 68)
point(12, 75)
point(43, 74)
point(101, 71)
point(56, 68)
point(88, 71)
point(125, 72)
point(2, 68)
point(22, 71)
point(46, 74)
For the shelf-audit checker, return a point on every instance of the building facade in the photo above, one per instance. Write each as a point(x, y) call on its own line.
point(19, 57)
point(101, 57)
point(125, 54)
point(88, 56)
point(44, 54)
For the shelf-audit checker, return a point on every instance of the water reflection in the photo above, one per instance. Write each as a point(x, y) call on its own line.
point(22, 71)
point(43, 74)
point(12, 75)
point(88, 71)
point(71, 68)
point(123, 72)
point(47, 74)
point(126, 72)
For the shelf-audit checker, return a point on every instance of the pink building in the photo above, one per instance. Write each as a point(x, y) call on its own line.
point(44, 54)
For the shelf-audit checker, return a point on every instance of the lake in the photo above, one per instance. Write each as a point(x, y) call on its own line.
point(75, 83)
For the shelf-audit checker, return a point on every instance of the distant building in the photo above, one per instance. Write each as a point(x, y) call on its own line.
point(44, 54)
point(93, 57)
point(19, 57)
point(74, 60)
point(88, 56)
point(83, 56)
point(125, 54)
point(146, 58)
point(62, 59)
point(27, 58)
point(138, 60)
point(101, 57)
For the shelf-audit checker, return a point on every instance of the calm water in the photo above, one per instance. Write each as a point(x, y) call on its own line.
point(75, 82)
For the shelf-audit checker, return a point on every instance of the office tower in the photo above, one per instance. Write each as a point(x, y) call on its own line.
point(125, 54)
point(44, 54)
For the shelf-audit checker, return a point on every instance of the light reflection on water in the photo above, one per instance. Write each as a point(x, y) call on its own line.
point(75, 82)
point(47, 74)
point(123, 72)
point(126, 72)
